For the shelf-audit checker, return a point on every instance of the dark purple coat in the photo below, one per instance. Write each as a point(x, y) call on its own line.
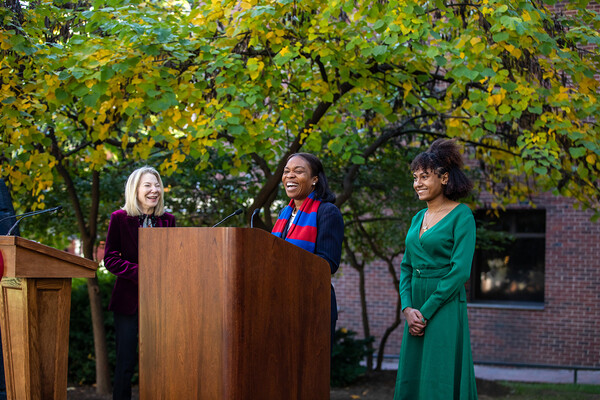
point(121, 258)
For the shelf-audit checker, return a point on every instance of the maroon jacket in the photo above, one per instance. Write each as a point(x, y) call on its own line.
point(121, 258)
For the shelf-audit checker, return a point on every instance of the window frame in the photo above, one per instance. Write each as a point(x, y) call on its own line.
point(474, 281)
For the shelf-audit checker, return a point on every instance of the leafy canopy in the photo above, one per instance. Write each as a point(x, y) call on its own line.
point(90, 85)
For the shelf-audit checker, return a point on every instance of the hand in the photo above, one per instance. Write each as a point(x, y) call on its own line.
point(416, 322)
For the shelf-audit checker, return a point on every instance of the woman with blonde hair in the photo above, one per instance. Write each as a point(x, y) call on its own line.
point(144, 208)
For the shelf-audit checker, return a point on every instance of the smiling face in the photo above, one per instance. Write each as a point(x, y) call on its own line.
point(428, 185)
point(298, 180)
point(148, 193)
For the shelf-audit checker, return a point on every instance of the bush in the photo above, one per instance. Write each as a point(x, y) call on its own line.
point(82, 362)
point(347, 355)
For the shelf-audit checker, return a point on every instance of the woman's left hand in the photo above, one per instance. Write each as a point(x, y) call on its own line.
point(416, 321)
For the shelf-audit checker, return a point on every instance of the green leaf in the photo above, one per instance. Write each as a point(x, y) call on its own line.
point(100, 88)
point(501, 37)
point(440, 60)
point(61, 95)
point(379, 50)
point(107, 73)
point(91, 99)
point(64, 75)
point(504, 109)
point(577, 152)
point(356, 159)
point(535, 109)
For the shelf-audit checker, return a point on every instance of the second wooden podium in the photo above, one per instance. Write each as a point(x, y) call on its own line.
point(35, 303)
point(231, 313)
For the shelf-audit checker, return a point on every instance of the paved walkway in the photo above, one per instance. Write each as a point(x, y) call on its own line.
point(518, 374)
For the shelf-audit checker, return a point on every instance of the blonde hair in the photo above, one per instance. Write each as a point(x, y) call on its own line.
point(132, 206)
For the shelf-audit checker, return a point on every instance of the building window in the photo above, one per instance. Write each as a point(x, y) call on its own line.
point(509, 260)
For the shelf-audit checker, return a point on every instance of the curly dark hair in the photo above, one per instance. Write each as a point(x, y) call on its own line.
point(322, 189)
point(444, 156)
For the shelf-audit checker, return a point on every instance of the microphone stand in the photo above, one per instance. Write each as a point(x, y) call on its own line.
point(236, 212)
point(252, 217)
point(25, 215)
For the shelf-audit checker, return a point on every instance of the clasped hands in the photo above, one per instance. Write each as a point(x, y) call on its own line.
point(415, 320)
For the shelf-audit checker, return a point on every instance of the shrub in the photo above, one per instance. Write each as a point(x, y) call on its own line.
point(347, 355)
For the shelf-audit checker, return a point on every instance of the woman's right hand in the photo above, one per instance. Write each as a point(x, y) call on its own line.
point(416, 322)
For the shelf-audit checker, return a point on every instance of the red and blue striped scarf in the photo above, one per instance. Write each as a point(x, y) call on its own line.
point(303, 230)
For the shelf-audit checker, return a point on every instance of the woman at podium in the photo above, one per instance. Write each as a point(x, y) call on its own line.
point(311, 220)
point(144, 208)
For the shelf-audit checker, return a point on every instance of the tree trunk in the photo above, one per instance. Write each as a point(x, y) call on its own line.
point(360, 268)
point(365, 316)
point(387, 334)
point(88, 237)
point(103, 385)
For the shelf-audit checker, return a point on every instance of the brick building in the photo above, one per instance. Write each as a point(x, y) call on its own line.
point(538, 302)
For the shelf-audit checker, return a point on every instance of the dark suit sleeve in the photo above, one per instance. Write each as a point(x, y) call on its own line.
point(114, 261)
point(330, 234)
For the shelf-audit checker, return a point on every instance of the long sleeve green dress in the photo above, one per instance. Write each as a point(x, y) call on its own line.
point(434, 269)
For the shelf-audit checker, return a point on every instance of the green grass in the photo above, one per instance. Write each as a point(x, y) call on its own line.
point(551, 391)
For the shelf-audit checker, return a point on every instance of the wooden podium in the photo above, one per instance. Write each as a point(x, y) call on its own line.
point(35, 306)
point(232, 314)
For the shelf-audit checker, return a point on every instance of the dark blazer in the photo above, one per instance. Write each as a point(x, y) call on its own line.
point(330, 235)
point(121, 258)
point(328, 245)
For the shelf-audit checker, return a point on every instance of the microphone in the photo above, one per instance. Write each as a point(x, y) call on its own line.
point(29, 214)
point(236, 212)
point(252, 217)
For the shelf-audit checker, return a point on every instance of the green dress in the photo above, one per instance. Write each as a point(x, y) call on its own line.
point(434, 269)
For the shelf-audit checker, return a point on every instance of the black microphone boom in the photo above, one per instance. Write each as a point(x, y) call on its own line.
point(29, 214)
point(236, 212)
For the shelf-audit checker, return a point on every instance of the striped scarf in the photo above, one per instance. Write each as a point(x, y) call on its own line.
point(303, 230)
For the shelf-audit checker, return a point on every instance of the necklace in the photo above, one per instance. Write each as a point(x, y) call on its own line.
point(430, 218)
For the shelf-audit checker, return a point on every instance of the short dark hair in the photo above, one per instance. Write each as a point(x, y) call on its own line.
point(322, 189)
point(444, 156)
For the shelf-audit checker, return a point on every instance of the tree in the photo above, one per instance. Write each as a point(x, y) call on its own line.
point(258, 82)
point(92, 86)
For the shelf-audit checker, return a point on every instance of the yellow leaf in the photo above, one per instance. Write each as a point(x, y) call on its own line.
point(407, 88)
point(176, 115)
point(586, 84)
point(453, 123)
point(495, 99)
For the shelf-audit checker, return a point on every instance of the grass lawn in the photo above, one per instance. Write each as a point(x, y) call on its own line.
point(546, 391)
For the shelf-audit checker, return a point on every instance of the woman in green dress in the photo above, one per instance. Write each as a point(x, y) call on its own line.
point(435, 357)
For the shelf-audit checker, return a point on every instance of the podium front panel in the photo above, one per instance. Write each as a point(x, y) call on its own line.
point(231, 313)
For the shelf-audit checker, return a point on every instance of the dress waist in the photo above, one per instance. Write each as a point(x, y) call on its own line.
point(430, 272)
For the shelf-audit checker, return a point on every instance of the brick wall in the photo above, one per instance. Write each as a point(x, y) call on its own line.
point(382, 298)
point(565, 332)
